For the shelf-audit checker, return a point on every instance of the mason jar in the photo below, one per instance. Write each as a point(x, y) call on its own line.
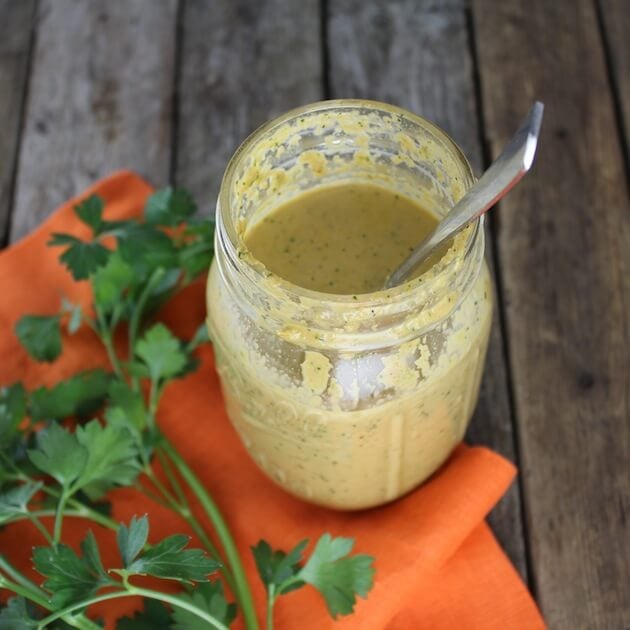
point(348, 401)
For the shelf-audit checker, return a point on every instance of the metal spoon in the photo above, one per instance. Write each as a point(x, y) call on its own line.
point(504, 173)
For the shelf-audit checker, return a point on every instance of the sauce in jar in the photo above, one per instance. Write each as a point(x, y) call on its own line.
point(345, 238)
point(345, 394)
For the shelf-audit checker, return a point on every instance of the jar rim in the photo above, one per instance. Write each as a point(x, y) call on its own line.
point(233, 244)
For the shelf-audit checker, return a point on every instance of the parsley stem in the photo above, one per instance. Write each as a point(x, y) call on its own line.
point(18, 577)
point(23, 587)
point(136, 317)
point(104, 331)
point(154, 399)
point(81, 621)
point(242, 591)
point(116, 314)
point(170, 499)
point(17, 475)
point(271, 600)
point(84, 511)
point(81, 510)
point(182, 507)
point(91, 323)
point(59, 514)
point(86, 514)
point(33, 518)
point(18, 589)
point(150, 494)
point(287, 583)
point(133, 591)
point(106, 338)
point(209, 545)
point(172, 477)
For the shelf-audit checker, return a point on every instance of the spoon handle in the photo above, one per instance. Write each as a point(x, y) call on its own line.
point(502, 175)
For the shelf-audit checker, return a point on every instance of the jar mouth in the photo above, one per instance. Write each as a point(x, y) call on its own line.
point(384, 302)
point(264, 277)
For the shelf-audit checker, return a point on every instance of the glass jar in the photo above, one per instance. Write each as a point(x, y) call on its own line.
point(348, 401)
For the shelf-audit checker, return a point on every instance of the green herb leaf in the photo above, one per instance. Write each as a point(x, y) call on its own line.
point(12, 411)
point(201, 228)
point(154, 616)
point(276, 567)
point(196, 254)
point(15, 616)
point(132, 539)
point(112, 459)
point(70, 578)
point(115, 228)
point(81, 258)
point(128, 401)
point(210, 598)
point(199, 338)
point(169, 560)
point(138, 369)
point(330, 569)
point(94, 459)
point(164, 289)
point(145, 248)
point(169, 206)
point(336, 576)
point(161, 352)
point(40, 335)
point(195, 259)
point(58, 240)
point(92, 557)
point(111, 281)
point(90, 211)
point(80, 395)
point(144, 441)
point(59, 455)
point(14, 501)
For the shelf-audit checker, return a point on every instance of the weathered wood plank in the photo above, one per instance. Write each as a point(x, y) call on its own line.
point(565, 263)
point(616, 22)
point(17, 25)
point(242, 62)
point(417, 55)
point(99, 99)
point(402, 53)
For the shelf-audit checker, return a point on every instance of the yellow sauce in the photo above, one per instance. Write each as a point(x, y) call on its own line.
point(344, 238)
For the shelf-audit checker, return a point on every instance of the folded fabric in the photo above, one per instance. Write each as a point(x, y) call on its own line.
point(438, 564)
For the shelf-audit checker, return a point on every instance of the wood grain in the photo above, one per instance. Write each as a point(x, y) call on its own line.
point(417, 55)
point(17, 25)
point(402, 53)
point(99, 99)
point(242, 62)
point(565, 261)
point(616, 22)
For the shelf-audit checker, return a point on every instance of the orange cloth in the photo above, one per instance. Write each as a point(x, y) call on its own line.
point(438, 565)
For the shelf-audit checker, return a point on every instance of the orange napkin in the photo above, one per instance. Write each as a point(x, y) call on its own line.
point(438, 564)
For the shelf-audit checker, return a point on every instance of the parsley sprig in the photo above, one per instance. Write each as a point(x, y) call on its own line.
point(338, 576)
point(64, 448)
point(75, 581)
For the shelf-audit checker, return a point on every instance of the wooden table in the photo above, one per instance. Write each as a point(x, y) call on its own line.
point(170, 88)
